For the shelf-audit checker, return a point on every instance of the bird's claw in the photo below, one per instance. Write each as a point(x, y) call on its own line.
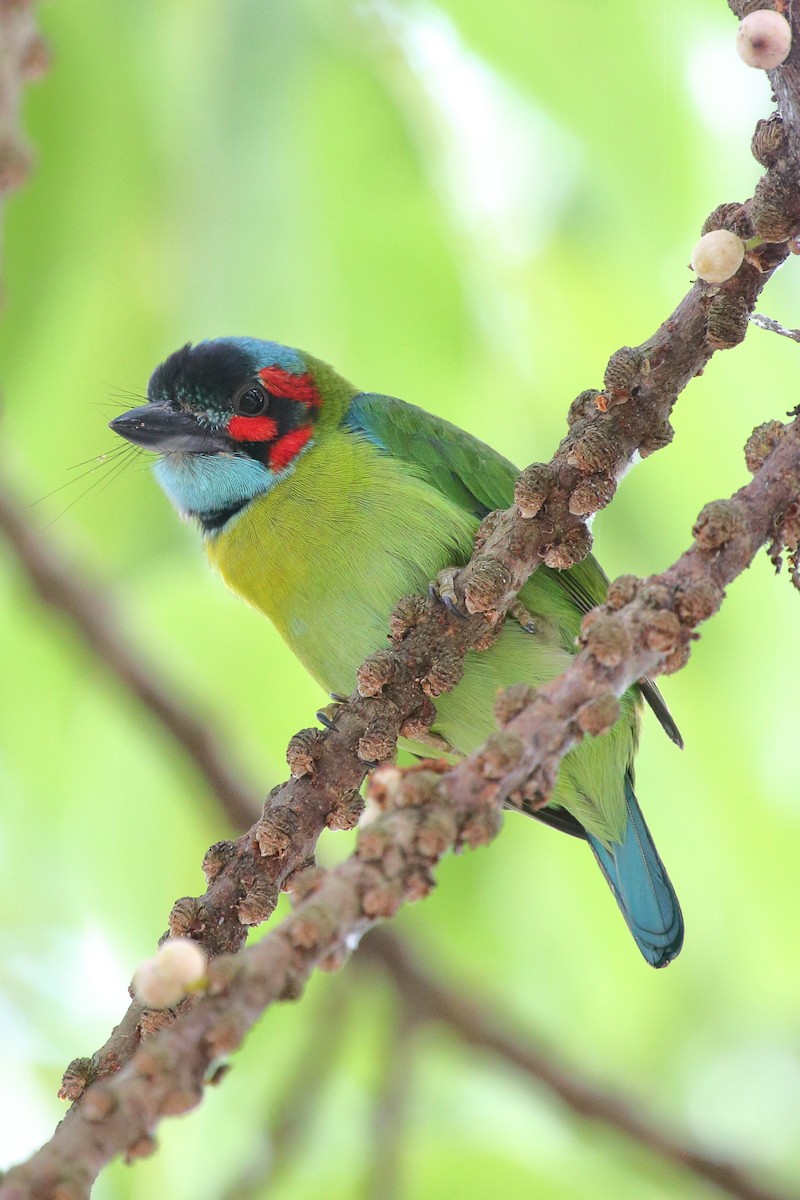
point(326, 715)
point(452, 607)
point(518, 612)
point(443, 588)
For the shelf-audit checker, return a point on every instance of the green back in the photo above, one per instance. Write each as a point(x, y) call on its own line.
point(465, 469)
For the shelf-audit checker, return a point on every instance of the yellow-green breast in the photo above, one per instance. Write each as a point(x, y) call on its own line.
point(329, 551)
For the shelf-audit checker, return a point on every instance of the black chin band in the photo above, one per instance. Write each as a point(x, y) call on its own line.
point(210, 522)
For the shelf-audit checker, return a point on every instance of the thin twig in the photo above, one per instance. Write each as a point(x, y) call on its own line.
point(476, 1021)
point(773, 326)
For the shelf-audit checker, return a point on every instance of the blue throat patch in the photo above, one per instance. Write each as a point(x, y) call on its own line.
point(216, 487)
point(201, 484)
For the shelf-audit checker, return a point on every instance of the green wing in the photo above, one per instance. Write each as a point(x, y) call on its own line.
point(465, 469)
point(478, 479)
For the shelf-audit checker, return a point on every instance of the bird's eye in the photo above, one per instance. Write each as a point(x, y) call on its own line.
point(251, 401)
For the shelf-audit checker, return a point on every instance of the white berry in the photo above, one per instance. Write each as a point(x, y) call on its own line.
point(717, 256)
point(163, 980)
point(764, 39)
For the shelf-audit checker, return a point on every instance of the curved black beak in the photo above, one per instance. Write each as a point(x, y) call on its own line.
point(163, 429)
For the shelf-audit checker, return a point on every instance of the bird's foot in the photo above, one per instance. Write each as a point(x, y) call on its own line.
point(518, 612)
point(443, 588)
point(326, 716)
point(433, 741)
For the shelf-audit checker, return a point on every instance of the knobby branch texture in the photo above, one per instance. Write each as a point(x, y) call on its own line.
point(645, 628)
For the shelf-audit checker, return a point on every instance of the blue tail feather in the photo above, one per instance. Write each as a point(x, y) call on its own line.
point(637, 877)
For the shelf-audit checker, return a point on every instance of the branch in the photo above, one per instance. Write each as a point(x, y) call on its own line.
point(475, 1021)
point(58, 584)
point(425, 813)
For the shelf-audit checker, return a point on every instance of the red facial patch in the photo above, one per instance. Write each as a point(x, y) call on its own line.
point(252, 429)
point(291, 387)
point(286, 447)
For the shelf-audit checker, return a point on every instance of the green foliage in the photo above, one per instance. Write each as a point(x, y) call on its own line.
point(470, 206)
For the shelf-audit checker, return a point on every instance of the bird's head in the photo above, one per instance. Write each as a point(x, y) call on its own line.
point(229, 419)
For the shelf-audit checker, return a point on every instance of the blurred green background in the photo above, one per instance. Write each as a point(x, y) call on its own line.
point(470, 206)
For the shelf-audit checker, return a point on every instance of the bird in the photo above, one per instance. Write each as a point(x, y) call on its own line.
point(322, 505)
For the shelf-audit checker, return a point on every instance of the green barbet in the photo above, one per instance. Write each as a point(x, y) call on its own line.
point(322, 505)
